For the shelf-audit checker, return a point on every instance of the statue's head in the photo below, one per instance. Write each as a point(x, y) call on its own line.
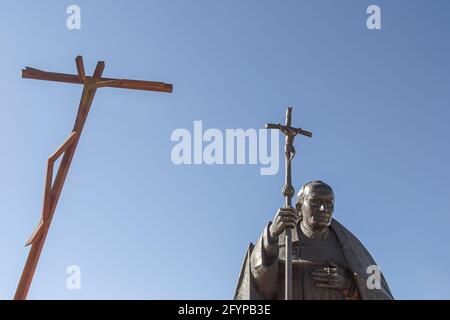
point(315, 204)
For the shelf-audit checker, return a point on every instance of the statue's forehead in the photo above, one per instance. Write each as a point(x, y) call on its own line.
point(320, 193)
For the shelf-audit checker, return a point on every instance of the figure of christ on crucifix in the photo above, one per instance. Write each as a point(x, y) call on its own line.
point(305, 254)
point(53, 190)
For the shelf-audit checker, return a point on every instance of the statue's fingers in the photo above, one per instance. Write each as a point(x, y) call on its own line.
point(288, 225)
point(320, 274)
point(323, 269)
point(324, 285)
point(333, 270)
point(334, 276)
point(320, 279)
point(288, 214)
point(333, 281)
point(318, 271)
point(288, 220)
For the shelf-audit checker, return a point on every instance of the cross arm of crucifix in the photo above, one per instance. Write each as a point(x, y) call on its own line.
point(81, 78)
point(288, 130)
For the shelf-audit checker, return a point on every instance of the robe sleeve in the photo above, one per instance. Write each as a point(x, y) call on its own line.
point(264, 264)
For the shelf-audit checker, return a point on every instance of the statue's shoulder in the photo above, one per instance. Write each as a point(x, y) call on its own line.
point(348, 239)
point(342, 231)
point(359, 259)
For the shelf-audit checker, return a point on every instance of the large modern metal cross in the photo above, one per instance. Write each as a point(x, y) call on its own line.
point(288, 190)
point(53, 190)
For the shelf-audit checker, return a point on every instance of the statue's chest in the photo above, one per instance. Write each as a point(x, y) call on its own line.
point(315, 252)
point(318, 253)
point(308, 255)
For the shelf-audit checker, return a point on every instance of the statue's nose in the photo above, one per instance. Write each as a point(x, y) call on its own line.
point(322, 207)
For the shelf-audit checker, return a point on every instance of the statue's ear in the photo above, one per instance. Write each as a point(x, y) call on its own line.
point(298, 206)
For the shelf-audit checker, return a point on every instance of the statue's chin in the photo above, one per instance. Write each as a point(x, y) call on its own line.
point(319, 225)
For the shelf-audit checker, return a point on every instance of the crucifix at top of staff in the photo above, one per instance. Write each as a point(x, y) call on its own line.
point(53, 188)
point(288, 190)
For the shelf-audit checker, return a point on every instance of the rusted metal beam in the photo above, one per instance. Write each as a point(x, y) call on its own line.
point(32, 73)
point(53, 189)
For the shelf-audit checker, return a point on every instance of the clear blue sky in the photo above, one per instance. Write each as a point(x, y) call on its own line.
point(140, 226)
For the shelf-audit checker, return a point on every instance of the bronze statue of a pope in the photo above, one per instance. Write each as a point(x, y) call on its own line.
point(328, 261)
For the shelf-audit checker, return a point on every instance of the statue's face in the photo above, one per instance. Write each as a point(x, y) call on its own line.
point(317, 208)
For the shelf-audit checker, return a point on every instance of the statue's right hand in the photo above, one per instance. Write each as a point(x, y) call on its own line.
point(286, 217)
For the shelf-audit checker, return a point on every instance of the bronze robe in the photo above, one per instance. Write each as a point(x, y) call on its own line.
point(348, 252)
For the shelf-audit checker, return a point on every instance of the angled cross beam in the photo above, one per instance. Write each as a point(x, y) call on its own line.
point(53, 189)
